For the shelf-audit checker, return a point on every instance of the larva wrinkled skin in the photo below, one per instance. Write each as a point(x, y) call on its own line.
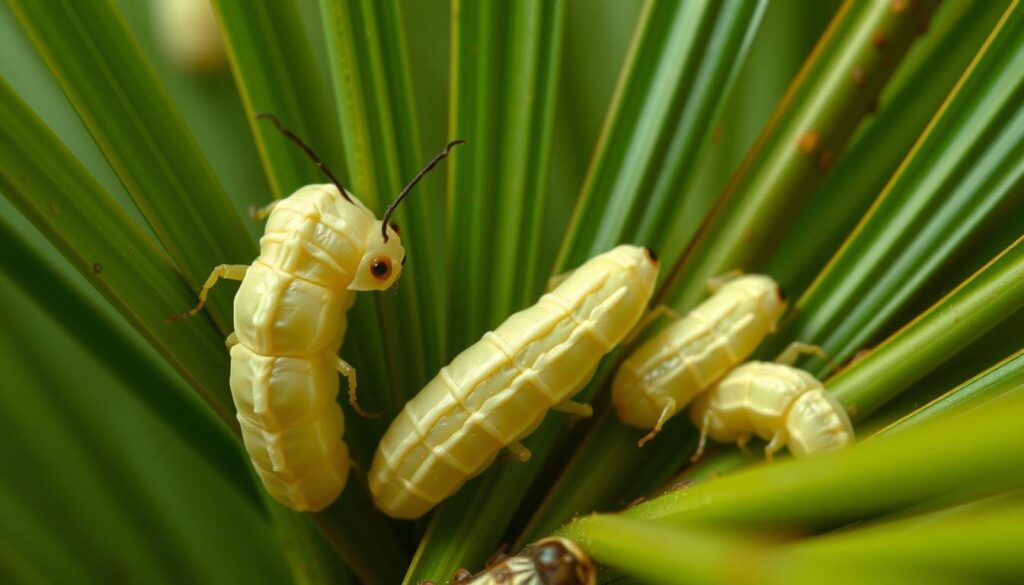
point(668, 370)
point(781, 404)
point(551, 561)
point(290, 320)
point(498, 390)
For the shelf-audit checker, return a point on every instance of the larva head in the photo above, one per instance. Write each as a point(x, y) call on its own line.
point(816, 423)
point(382, 261)
point(558, 561)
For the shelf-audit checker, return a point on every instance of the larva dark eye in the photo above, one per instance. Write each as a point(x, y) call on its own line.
point(380, 268)
point(394, 226)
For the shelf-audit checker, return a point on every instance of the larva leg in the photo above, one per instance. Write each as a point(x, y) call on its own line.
point(668, 411)
point(228, 271)
point(519, 452)
point(778, 440)
point(232, 340)
point(716, 282)
point(651, 316)
point(576, 408)
point(350, 375)
point(703, 437)
point(742, 444)
point(796, 349)
point(259, 213)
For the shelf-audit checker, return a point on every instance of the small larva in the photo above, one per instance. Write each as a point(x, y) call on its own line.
point(320, 245)
point(551, 561)
point(779, 403)
point(498, 390)
point(668, 370)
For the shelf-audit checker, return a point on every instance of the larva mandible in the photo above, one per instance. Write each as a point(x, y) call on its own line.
point(550, 561)
point(498, 390)
point(668, 370)
point(320, 245)
point(783, 405)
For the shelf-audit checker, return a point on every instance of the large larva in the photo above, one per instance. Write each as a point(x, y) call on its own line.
point(551, 561)
point(779, 403)
point(321, 244)
point(668, 370)
point(498, 390)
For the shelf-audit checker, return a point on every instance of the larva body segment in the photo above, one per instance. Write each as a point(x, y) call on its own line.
point(685, 358)
point(498, 390)
point(289, 323)
point(781, 404)
point(551, 561)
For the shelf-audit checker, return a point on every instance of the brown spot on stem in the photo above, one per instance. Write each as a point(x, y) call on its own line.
point(879, 40)
point(54, 209)
point(748, 235)
point(97, 268)
point(922, 25)
point(899, 6)
point(808, 142)
point(682, 485)
point(859, 77)
point(716, 134)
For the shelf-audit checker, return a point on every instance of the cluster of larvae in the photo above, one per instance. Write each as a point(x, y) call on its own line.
point(695, 359)
point(321, 245)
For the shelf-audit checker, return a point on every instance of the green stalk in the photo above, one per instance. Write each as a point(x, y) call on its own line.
point(52, 189)
point(963, 544)
point(683, 60)
point(992, 294)
point(919, 87)
point(978, 542)
point(841, 487)
point(112, 344)
point(964, 172)
point(811, 127)
point(504, 61)
point(102, 71)
point(274, 69)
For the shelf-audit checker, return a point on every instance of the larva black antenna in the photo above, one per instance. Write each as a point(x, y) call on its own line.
point(305, 148)
point(426, 169)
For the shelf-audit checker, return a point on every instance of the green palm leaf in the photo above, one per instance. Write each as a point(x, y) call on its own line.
point(119, 447)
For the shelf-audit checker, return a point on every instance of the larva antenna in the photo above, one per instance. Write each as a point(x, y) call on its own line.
point(305, 148)
point(426, 169)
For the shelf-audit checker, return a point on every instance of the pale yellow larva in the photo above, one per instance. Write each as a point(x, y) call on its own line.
point(320, 245)
point(668, 370)
point(550, 561)
point(779, 403)
point(498, 390)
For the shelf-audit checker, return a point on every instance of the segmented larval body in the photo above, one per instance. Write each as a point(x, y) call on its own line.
point(290, 320)
point(685, 358)
point(779, 403)
point(499, 389)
